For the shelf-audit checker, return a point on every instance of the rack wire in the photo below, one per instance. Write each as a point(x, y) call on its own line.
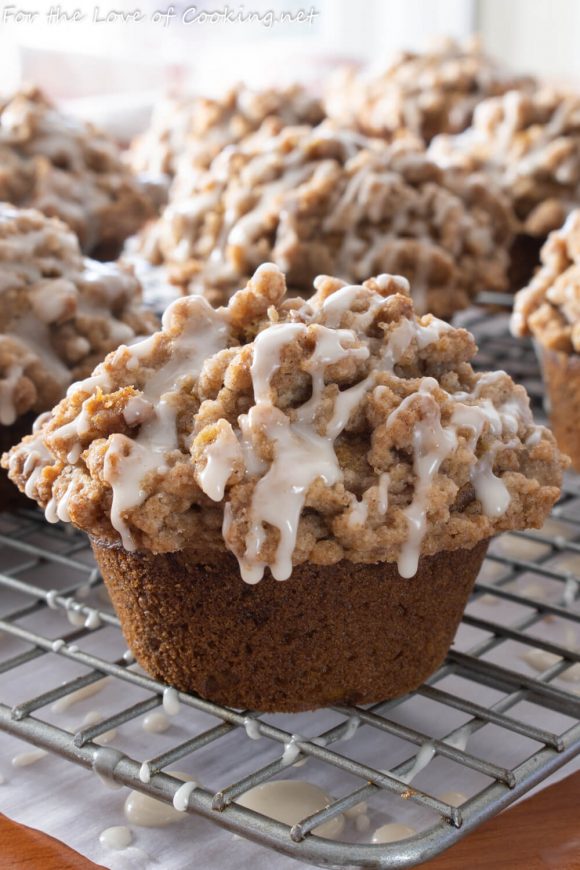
point(48, 571)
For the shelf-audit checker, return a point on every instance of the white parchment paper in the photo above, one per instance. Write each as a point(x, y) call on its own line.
point(73, 805)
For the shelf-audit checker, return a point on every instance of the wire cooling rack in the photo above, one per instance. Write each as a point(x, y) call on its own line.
point(48, 572)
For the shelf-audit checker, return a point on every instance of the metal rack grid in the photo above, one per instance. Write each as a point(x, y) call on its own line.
point(26, 545)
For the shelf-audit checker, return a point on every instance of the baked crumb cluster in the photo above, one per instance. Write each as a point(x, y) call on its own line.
point(60, 313)
point(69, 169)
point(549, 308)
point(188, 133)
point(428, 93)
point(530, 145)
point(342, 427)
point(329, 200)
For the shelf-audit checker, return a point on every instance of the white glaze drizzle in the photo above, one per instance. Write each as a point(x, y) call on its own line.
point(392, 833)
point(171, 703)
point(424, 757)
point(78, 695)
point(182, 795)
point(129, 461)
point(116, 837)
point(148, 812)
point(252, 727)
point(288, 801)
point(25, 759)
point(156, 723)
point(291, 750)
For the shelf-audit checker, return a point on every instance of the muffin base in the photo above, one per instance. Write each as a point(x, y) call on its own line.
point(10, 496)
point(346, 633)
point(561, 373)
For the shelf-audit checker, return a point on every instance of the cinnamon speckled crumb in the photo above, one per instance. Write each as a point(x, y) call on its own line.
point(405, 374)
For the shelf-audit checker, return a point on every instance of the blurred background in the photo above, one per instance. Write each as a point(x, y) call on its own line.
point(181, 46)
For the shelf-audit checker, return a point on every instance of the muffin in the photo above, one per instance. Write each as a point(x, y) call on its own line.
point(428, 93)
point(69, 169)
point(61, 314)
point(549, 310)
point(329, 200)
point(529, 145)
point(340, 454)
point(192, 131)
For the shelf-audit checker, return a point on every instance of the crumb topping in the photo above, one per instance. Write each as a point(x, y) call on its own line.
point(530, 145)
point(342, 427)
point(69, 169)
point(329, 200)
point(190, 132)
point(427, 93)
point(549, 308)
point(60, 312)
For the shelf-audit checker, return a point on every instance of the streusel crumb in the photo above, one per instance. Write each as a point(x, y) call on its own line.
point(61, 313)
point(191, 131)
point(427, 93)
point(549, 308)
point(69, 169)
point(529, 144)
point(328, 200)
point(343, 427)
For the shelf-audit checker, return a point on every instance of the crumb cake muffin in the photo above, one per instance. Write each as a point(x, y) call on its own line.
point(61, 314)
point(529, 144)
point(290, 500)
point(193, 130)
point(69, 169)
point(326, 199)
point(549, 310)
point(430, 92)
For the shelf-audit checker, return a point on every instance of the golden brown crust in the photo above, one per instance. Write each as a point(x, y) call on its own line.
point(330, 635)
point(61, 313)
point(69, 169)
point(428, 93)
point(346, 407)
point(330, 201)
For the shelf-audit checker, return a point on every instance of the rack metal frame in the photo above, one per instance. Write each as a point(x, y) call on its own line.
point(26, 720)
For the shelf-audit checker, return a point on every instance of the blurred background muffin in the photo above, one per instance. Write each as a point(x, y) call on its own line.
point(327, 200)
point(427, 93)
point(61, 314)
point(69, 169)
point(549, 310)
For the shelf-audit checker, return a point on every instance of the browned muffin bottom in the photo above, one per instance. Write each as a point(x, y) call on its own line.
point(561, 373)
point(333, 634)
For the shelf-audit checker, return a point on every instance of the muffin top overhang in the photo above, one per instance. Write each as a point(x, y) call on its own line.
point(342, 427)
